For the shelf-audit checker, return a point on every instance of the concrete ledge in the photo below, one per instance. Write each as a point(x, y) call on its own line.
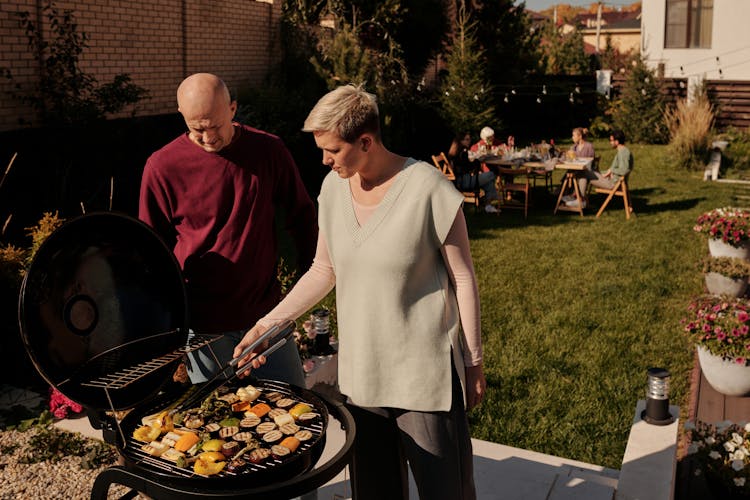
point(650, 461)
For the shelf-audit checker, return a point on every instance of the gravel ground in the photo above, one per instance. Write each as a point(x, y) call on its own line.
point(45, 480)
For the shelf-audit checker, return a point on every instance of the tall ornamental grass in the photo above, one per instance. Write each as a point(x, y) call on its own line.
point(690, 127)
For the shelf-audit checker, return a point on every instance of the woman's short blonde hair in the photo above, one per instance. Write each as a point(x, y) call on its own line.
point(348, 111)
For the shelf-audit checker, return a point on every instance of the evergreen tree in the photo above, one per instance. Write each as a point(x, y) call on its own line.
point(562, 53)
point(639, 112)
point(465, 97)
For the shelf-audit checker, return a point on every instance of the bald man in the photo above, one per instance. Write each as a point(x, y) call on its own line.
point(211, 194)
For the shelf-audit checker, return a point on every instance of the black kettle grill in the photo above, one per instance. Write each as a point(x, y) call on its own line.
point(103, 317)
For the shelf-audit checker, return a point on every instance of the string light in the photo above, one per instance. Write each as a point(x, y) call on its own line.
point(578, 89)
point(539, 100)
point(571, 98)
point(544, 89)
point(506, 98)
point(643, 91)
point(513, 91)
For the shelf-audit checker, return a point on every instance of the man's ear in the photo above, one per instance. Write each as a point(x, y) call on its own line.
point(233, 107)
point(366, 142)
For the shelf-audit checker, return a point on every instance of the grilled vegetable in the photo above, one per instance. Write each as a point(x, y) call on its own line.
point(283, 419)
point(290, 442)
point(279, 451)
point(230, 448)
point(146, 433)
point(272, 436)
point(307, 417)
point(213, 445)
point(299, 409)
point(285, 402)
point(227, 432)
point(172, 455)
point(249, 421)
point(186, 441)
point(259, 454)
point(260, 409)
point(240, 406)
point(264, 427)
point(248, 393)
point(304, 435)
point(212, 427)
point(236, 465)
point(209, 463)
point(155, 448)
point(289, 428)
point(230, 422)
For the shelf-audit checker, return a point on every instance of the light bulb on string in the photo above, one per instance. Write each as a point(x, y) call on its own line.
point(578, 89)
point(513, 91)
point(544, 89)
point(506, 98)
point(476, 97)
point(538, 100)
point(571, 98)
point(643, 91)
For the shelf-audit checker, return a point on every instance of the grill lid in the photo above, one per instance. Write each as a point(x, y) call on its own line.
point(103, 294)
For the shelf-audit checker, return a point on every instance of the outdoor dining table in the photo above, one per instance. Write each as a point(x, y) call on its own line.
point(572, 167)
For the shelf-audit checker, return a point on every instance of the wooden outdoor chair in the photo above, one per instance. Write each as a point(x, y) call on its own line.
point(620, 189)
point(443, 164)
point(507, 179)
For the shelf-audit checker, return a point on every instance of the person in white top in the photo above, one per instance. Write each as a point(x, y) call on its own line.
point(394, 243)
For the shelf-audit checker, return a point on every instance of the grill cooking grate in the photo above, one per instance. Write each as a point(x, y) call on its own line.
point(125, 377)
point(132, 449)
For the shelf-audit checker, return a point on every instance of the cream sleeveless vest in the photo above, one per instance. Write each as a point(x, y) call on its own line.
point(396, 308)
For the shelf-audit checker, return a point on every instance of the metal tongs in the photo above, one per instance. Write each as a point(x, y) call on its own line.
point(276, 336)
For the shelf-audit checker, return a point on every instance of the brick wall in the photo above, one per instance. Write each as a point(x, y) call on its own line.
point(157, 42)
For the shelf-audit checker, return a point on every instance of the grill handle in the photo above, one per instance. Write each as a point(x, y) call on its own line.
point(276, 336)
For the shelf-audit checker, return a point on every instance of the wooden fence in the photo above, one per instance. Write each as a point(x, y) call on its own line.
point(731, 100)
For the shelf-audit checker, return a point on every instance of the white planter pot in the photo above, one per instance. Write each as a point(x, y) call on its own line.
point(719, 284)
point(720, 249)
point(727, 377)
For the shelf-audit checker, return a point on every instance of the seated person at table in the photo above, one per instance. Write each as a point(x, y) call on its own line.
point(622, 164)
point(581, 148)
point(468, 176)
point(487, 141)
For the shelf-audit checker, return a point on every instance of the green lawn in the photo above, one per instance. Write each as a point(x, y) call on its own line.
point(574, 310)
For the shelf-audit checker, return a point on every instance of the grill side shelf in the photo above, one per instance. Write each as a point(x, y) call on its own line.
point(123, 378)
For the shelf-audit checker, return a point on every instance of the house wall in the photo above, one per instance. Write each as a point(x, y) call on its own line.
point(622, 41)
point(156, 42)
point(730, 42)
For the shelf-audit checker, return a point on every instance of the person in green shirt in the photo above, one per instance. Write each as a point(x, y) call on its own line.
point(622, 164)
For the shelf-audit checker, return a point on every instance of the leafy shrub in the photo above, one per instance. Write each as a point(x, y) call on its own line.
point(63, 93)
point(737, 154)
point(689, 127)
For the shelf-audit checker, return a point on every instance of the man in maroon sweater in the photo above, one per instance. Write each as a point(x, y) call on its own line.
point(211, 195)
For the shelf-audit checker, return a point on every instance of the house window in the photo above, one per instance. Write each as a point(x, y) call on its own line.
point(688, 24)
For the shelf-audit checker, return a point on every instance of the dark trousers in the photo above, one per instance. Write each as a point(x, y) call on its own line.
point(437, 446)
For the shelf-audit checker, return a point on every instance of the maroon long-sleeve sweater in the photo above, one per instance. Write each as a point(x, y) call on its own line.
point(216, 210)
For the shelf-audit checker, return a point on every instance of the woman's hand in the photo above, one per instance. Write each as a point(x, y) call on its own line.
point(476, 386)
point(251, 358)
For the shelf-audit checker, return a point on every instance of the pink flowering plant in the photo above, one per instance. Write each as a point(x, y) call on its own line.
point(721, 325)
point(60, 406)
point(729, 224)
point(721, 452)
